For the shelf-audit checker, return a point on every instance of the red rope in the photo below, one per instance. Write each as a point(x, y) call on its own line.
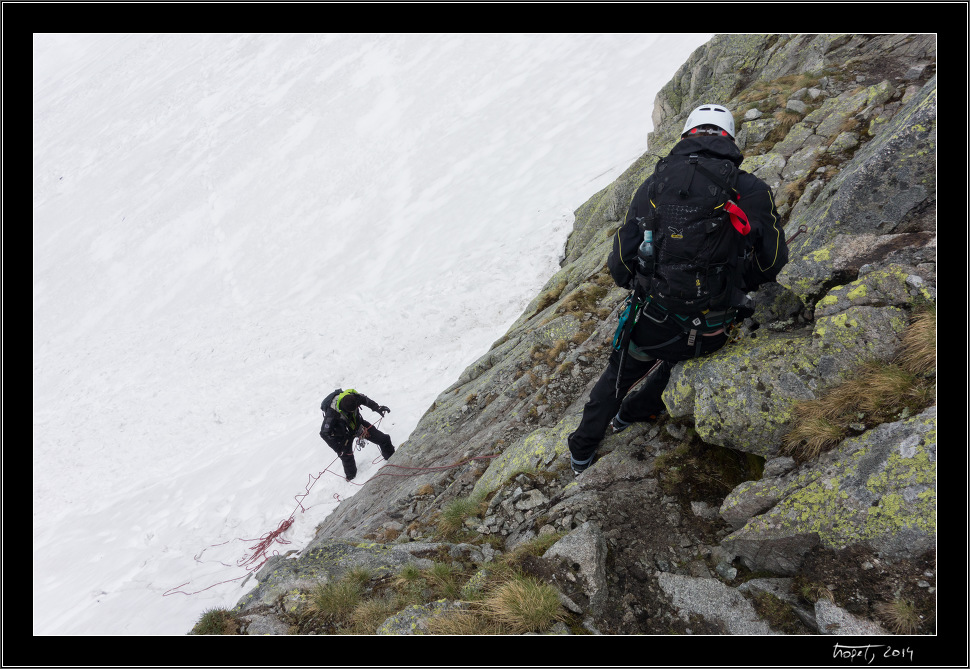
point(260, 549)
point(252, 562)
point(430, 469)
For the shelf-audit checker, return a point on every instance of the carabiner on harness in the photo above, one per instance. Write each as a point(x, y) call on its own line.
point(626, 315)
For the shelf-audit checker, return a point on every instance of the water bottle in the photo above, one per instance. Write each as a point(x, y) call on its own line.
point(645, 254)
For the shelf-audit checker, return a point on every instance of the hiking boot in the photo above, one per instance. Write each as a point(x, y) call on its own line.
point(619, 425)
point(387, 451)
point(350, 466)
point(580, 467)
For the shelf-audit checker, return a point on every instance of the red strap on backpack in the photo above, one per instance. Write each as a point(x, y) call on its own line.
point(738, 218)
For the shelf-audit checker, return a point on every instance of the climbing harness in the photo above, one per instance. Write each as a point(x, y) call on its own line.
point(363, 431)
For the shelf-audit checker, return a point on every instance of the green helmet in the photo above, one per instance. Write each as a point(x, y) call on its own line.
point(352, 401)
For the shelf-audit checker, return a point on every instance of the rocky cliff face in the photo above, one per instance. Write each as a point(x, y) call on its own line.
point(711, 521)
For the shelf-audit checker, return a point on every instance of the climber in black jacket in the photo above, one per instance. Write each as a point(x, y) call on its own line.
point(342, 422)
point(659, 336)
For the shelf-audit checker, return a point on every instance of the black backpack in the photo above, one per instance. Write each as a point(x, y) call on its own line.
point(698, 234)
point(332, 426)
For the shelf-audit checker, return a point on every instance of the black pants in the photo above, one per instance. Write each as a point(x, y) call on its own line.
point(607, 399)
point(343, 446)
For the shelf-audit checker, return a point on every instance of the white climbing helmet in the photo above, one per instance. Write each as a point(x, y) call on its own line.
point(710, 115)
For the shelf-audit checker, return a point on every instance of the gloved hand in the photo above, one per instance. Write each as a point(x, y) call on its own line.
point(745, 309)
point(383, 410)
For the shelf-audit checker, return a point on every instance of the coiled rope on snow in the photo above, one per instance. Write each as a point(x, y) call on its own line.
point(254, 560)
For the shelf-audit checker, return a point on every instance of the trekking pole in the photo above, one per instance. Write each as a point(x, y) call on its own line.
point(627, 334)
point(619, 372)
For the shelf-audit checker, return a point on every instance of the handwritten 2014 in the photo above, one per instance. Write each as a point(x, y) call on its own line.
point(868, 653)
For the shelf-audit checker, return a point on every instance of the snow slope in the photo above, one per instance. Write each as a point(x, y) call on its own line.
point(227, 227)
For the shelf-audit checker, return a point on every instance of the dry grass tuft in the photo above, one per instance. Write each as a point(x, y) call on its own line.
point(899, 615)
point(445, 580)
point(813, 434)
point(583, 299)
point(786, 120)
point(553, 352)
point(217, 621)
point(465, 622)
point(794, 189)
point(918, 354)
point(517, 606)
point(523, 604)
point(452, 517)
point(877, 393)
point(335, 601)
point(371, 613)
point(588, 327)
